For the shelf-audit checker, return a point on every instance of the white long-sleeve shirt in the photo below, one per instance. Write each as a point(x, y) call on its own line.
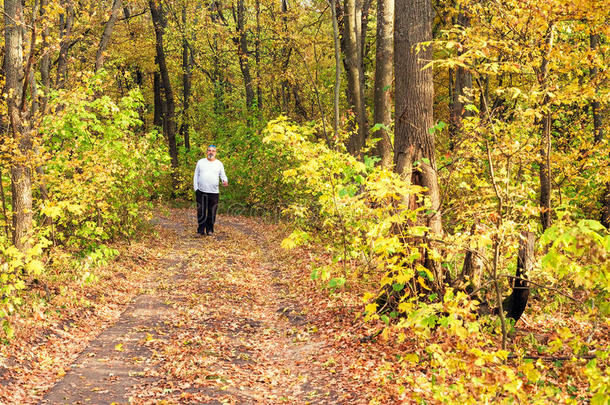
point(207, 175)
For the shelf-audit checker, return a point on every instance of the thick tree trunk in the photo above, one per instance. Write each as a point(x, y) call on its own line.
point(21, 176)
point(383, 78)
point(187, 73)
point(101, 48)
point(414, 102)
point(244, 63)
point(352, 31)
point(169, 120)
point(66, 22)
point(413, 143)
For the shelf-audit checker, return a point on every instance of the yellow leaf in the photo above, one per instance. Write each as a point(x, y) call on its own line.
point(288, 243)
point(411, 358)
point(119, 347)
point(370, 308)
point(35, 267)
point(421, 282)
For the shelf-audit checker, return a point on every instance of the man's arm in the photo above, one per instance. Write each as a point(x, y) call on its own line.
point(196, 177)
point(223, 176)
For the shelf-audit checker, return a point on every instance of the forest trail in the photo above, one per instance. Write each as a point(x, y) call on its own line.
point(217, 323)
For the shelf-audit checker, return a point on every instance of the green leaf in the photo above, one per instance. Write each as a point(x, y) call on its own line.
point(336, 282)
point(471, 107)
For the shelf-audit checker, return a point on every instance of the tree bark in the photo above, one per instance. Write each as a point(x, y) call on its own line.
point(114, 14)
point(337, 46)
point(187, 74)
point(605, 218)
point(21, 176)
point(545, 126)
point(352, 31)
point(598, 134)
point(45, 61)
point(169, 120)
point(257, 57)
point(158, 101)
point(414, 102)
point(514, 305)
point(595, 105)
point(217, 75)
point(383, 78)
point(244, 63)
point(545, 173)
point(66, 22)
point(4, 213)
point(364, 24)
point(463, 80)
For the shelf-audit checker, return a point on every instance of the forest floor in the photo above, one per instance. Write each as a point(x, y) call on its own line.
point(182, 318)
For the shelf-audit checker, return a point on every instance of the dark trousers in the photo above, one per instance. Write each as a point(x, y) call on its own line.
point(207, 203)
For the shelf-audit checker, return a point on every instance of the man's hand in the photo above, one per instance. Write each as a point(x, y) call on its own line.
point(225, 183)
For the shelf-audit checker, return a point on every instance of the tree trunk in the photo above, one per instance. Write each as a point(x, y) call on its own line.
point(414, 102)
point(66, 22)
point(364, 24)
point(352, 31)
point(257, 56)
point(187, 73)
point(605, 219)
point(545, 126)
point(45, 61)
point(383, 78)
point(217, 74)
point(244, 64)
point(545, 173)
point(463, 80)
point(598, 135)
point(595, 105)
point(514, 305)
point(4, 213)
point(21, 176)
point(169, 120)
point(337, 45)
point(158, 101)
point(114, 13)
point(286, 53)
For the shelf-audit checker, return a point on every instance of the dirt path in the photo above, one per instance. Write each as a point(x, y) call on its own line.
point(218, 323)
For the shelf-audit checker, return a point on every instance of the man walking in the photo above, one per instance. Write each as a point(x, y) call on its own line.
point(208, 172)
